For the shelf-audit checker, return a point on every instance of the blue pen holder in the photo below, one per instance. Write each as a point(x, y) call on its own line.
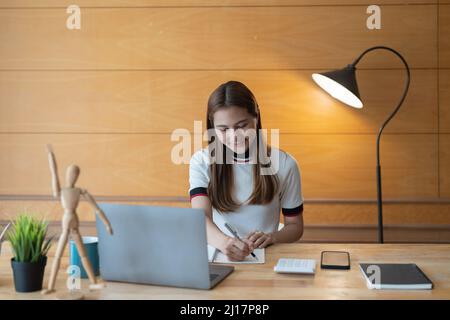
point(91, 247)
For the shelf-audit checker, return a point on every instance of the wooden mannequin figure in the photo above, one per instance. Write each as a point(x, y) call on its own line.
point(70, 197)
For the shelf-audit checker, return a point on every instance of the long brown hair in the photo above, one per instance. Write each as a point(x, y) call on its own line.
point(221, 184)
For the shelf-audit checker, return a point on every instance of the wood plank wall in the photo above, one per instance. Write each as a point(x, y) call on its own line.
point(109, 95)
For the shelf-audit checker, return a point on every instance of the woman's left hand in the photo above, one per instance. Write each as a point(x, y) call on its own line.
point(260, 239)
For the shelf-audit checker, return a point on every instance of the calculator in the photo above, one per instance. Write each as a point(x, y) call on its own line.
point(301, 266)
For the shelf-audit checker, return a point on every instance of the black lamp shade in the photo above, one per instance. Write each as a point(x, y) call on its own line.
point(340, 84)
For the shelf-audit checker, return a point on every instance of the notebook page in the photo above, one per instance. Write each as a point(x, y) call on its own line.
point(221, 258)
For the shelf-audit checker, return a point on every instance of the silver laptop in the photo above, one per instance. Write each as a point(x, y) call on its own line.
point(157, 245)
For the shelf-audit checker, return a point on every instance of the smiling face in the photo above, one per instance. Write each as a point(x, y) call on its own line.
point(235, 128)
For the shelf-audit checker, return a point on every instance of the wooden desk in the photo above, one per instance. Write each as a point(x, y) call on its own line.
point(260, 282)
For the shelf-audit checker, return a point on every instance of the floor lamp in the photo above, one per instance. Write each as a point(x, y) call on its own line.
point(341, 84)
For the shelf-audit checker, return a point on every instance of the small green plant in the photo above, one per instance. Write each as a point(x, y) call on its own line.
point(27, 237)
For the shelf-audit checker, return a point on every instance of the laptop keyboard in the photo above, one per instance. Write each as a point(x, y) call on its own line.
point(212, 276)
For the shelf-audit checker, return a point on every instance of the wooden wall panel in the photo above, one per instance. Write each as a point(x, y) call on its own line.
point(175, 3)
point(315, 213)
point(333, 166)
point(444, 101)
point(161, 101)
point(109, 95)
point(110, 164)
point(208, 38)
point(444, 35)
point(444, 98)
point(52, 210)
point(444, 162)
point(343, 166)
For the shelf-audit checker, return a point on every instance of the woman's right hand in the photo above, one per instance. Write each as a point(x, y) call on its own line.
point(237, 250)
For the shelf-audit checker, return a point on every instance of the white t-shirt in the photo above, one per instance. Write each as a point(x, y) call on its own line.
point(248, 218)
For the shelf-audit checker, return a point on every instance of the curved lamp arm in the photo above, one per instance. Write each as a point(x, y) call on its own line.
point(405, 91)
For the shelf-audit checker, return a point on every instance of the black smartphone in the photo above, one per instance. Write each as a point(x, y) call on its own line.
point(335, 260)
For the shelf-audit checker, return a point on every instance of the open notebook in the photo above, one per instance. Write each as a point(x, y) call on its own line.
point(219, 257)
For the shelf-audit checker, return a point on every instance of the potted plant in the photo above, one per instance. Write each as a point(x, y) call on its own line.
point(27, 237)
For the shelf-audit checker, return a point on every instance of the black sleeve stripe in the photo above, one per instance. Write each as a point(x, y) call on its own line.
point(292, 211)
point(198, 191)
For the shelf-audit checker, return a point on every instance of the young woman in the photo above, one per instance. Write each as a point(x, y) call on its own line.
point(247, 192)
